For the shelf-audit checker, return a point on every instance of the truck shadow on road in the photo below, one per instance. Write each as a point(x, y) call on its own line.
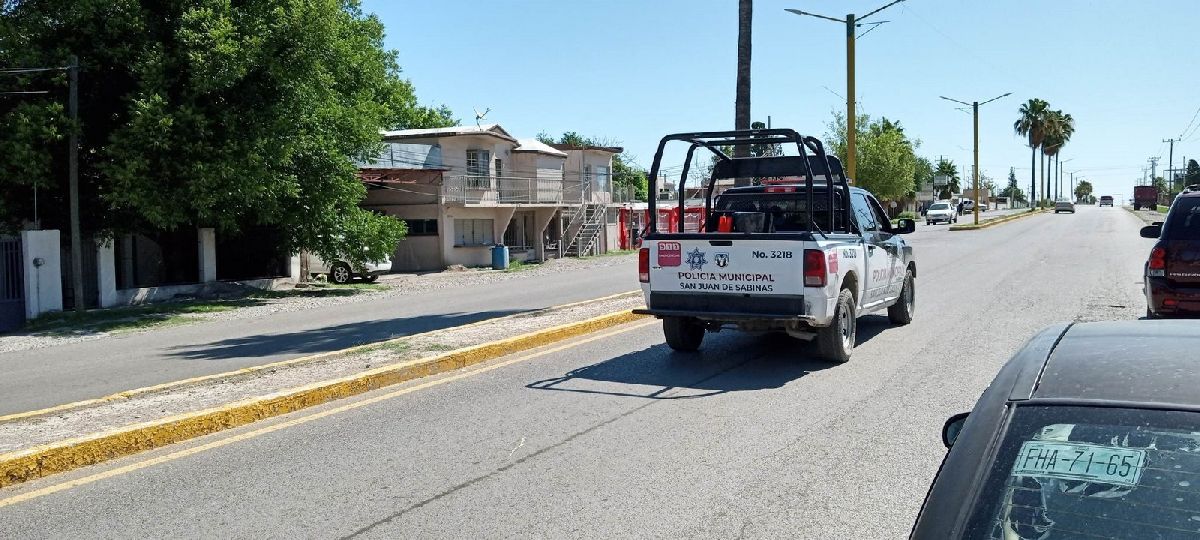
point(727, 363)
point(330, 338)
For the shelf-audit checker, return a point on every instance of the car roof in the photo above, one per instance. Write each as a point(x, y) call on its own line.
point(1189, 193)
point(1146, 362)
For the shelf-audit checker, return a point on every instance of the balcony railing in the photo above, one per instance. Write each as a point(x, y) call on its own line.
point(477, 189)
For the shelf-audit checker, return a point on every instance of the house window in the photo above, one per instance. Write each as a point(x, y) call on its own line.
point(477, 169)
point(422, 227)
point(474, 232)
point(499, 167)
point(602, 178)
point(587, 174)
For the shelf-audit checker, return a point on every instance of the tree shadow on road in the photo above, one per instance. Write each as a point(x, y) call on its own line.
point(330, 338)
point(738, 363)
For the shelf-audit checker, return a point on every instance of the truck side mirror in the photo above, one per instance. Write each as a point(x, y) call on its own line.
point(904, 226)
point(1151, 231)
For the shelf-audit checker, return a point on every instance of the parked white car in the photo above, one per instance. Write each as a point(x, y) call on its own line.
point(341, 273)
point(941, 211)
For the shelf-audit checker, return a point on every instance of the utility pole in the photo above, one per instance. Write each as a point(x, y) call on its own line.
point(851, 116)
point(73, 180)
point(1153, 168)
point(852, 23)
point(975, 169)
point(1171, 163)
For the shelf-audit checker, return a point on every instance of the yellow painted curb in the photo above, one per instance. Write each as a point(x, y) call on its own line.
point(997, 221)
point(253, 369)
point(62, 456)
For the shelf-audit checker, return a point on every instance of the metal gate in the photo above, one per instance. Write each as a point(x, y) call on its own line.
point(12, 286)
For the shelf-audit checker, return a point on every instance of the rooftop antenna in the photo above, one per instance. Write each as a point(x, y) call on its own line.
point(480, 115)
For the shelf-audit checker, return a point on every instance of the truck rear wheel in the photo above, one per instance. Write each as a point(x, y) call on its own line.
point(902, 311)
point(682, 333)
point(836, 341)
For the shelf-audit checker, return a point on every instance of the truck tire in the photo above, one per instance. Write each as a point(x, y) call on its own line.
point(902, 311)
point(683, 334)
point(835, 342)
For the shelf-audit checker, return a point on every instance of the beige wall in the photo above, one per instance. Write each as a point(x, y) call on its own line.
point(472, 255)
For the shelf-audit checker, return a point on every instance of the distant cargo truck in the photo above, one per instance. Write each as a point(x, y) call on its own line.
point(1145, 197)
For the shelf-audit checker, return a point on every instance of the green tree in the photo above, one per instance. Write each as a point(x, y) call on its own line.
point(1160, 185)
point(1083, 190)
point(887, 160)
point(628, 174)
point(1031, 125)
point(922, 174)
point(1058, 130)
point(211, 113)
point(947, 168)
point(1192, 176)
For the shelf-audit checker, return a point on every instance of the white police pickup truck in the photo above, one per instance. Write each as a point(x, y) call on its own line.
point(773, 257)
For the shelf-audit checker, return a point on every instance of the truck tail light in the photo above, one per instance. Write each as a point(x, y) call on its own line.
point(1158, 259)
point(815, 271)
point(644, 265)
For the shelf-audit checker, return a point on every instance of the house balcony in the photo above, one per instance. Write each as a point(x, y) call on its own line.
point(503, 190)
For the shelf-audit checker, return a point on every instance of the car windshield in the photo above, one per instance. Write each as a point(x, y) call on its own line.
point(1183, 222)
point(940, 206)
point(1075, 473)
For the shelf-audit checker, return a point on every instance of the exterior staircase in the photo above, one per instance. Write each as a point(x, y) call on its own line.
point(585, 228)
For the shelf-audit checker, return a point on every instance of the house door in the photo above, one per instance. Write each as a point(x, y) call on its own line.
point(12, 285)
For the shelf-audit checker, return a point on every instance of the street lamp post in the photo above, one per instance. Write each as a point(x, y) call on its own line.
point(1060, 182)
point(975, 173)
point(851, 23)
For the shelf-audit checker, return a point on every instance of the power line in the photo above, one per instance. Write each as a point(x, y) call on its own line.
point(1184, 133)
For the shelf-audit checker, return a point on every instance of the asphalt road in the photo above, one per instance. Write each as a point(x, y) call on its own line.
point(615, 436)
point(39, 378)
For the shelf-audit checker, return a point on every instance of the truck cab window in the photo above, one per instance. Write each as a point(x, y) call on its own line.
point(864, 215)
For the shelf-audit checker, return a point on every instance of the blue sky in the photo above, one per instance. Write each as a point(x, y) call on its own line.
point(634, 70)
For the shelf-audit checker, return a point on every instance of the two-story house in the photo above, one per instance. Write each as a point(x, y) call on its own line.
point(464, 189)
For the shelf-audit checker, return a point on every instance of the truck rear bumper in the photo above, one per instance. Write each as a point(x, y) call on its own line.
point(727, 316)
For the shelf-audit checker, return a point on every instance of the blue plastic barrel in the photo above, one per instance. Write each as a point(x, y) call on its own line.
point(499, 257)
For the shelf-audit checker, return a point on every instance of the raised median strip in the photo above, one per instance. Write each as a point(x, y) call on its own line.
point(82, 434)
point(996, 221)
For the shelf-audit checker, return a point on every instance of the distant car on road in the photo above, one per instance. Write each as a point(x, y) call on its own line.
point(1172, 274)
point(341, 272)
point(941, 211)
point(1077, 438)
point(1106, 200)
point(1064, 205)
point(968, 205)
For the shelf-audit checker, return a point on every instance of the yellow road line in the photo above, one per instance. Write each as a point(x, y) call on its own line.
point(65, 455)
point(48, 490)
point(274, 365)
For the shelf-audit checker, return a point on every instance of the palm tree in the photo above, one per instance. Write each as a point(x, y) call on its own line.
point(1058, 130)
point(1031, 125)
point(741, 105)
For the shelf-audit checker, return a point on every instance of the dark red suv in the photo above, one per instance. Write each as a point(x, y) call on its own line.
point(1173, 271)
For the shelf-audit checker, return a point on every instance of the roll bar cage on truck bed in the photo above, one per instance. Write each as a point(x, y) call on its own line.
point(802, 253)
point(815, 165)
